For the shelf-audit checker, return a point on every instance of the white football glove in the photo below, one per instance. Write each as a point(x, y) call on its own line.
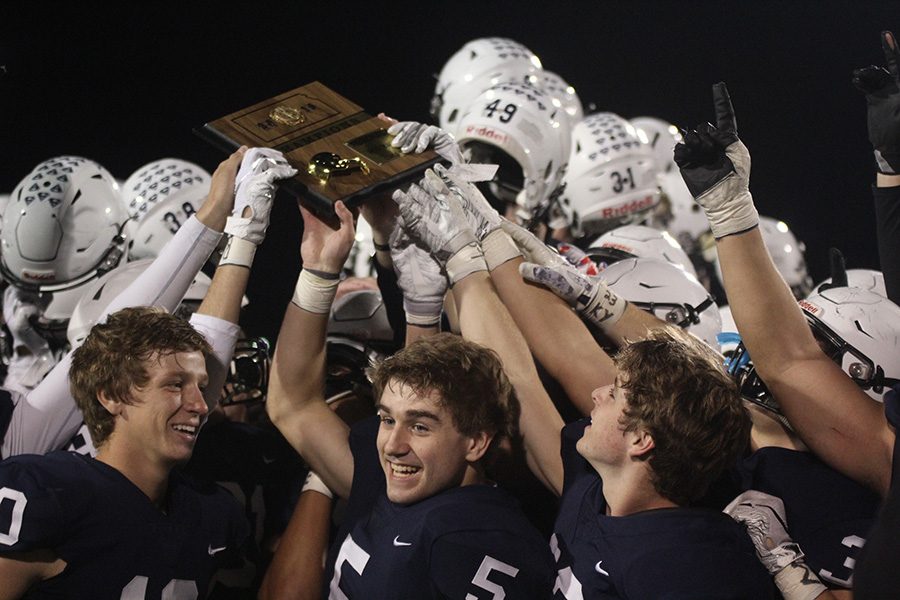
point(254, 188)
point(411, 136)
point(420, 278)
point(433, 216)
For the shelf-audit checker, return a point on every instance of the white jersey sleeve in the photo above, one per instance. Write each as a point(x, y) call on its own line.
point(222, 336)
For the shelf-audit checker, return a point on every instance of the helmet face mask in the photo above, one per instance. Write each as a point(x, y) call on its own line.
point(248, 372)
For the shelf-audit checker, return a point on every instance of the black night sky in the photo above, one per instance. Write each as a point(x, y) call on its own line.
point(125, 83)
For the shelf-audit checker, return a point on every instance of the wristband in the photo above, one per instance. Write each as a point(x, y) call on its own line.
point(314, 293)
point(467, 260)
point(314, 483)
point(797, 582)
point(498, 248)
point(381, 247)
point(605, 309)
point(238, 251)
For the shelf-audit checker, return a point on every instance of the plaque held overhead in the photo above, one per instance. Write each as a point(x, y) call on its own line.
point(340, 151)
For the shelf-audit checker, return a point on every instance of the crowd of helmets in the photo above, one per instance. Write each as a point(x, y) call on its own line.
point(73, 235)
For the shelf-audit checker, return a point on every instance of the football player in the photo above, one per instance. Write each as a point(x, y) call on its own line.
point(816, 376)
point(141, 381)
point(423, 520)
point(624, 528)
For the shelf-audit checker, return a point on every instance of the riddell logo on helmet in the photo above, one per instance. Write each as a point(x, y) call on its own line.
point(809, 307)
point(38, 275)
point(486, 133)
point(627, 208)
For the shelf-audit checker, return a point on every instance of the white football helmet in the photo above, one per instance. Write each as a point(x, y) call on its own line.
point(101, 292)
point(478, 65)
point(787, 254)
point(856, 328)
point(638, 241)
point(520, 122)
point(160, 196)
point(867, 279)
point(611, 177)
point(562, 95)
point(4, 201)
point(63, 226)
point(685, 220)
point(662, 137)
point(672, 294)
point(359, 337)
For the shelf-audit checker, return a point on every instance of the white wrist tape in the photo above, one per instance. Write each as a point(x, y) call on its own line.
point(498, 248)
point(468, 259)
point(605, 309)
point(238, 251)
point(313, 293)
point(797, 582)
point(314, 483)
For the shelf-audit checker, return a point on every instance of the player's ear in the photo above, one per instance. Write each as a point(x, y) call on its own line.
point(641, 443)
point(112, 405)
point(478, 445)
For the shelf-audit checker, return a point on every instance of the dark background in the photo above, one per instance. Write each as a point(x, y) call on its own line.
point(125, 85)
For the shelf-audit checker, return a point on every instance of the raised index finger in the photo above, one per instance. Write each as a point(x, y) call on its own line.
point(725, 119)
point(891, 53)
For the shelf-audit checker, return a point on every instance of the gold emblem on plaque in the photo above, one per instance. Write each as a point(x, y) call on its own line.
point(287, 115)
point(325, 164)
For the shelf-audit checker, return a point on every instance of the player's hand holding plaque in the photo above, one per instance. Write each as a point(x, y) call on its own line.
point(340, 151)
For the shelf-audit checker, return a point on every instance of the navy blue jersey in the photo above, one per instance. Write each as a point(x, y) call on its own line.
point(265, 474)
point(467, 542)
point(828, 515)
point(115, 542)
point(663, 553)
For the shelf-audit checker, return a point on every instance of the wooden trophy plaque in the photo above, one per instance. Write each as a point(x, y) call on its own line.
point(340, 151)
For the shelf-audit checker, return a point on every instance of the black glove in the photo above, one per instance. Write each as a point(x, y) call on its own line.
point(882, 89)
point(715, 165)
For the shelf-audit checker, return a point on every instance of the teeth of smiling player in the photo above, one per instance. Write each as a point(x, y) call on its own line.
point(403, 469)
point(185, 428)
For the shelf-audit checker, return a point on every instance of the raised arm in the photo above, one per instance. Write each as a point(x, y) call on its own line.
point(832, 415)
point(296, 403)
point(882, 89)
point(217, 317)
point(434, 216)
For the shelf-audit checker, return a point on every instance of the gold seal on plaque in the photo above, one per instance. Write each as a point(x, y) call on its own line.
point(287, 115)
point(325, 164)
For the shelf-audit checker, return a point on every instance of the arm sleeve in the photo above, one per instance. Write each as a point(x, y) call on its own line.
point(222, 336)
point(393, 302)
point(46, 418)
point(887, 222)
